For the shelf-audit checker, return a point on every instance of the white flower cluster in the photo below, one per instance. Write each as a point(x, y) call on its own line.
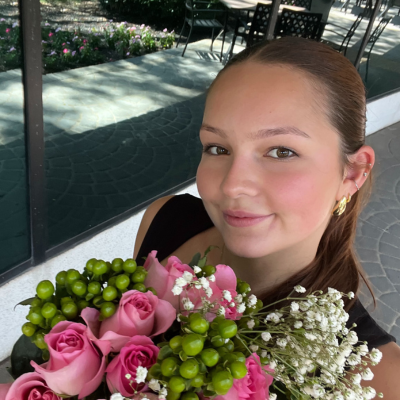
point(187, 279)
point(303, 337)
point(162, 391)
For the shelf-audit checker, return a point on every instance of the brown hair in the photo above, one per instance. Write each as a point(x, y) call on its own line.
point(336, 264)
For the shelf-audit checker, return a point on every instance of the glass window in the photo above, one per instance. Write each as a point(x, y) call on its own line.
point(14, 211)
point(122, 114)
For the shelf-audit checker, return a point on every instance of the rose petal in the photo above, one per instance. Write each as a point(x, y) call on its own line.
point(4, 388)
point(225, 278)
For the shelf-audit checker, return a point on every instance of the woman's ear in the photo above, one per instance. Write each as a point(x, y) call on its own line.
point(356, 173)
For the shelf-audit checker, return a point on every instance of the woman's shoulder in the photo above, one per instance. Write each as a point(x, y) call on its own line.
point(168, 223)
point(367, 328)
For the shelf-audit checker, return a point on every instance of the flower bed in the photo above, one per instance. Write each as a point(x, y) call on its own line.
point(63, 50)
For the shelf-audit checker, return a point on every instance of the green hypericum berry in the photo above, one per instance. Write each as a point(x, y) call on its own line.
point(209, 270)
point(57, 319)
point(194, 316)
point(227, 328)
point(122, 281)
point(222, 382)
point(108, 309)
point(94, 288)
point(110, 293)
point(65, 300)
point(139, 286)
point(61, 278)
point(45, 289)
point(210, 357)
point(154, 372)
point(72, 276)
point(176, 343)
point(100, 268)
point(82, 304)
point(192, 344)
point(228, 357)
point(222, 351)
point(239, 356)
point(36, 302)
point(116, 265)
point(197, 381)
point(35, 315)
point(199, 325)
point(238, 369)
point(38, 339)
point(189, 368)
point(129, 266)
point(138, 277)
point(230, 346)
point(173, 395)
point(112, 281)
point(243, 288)
point(189, 396)
point(98, 301)
point(79, 288)
point(152, 290)
point(217, 341)
point(168, 366)
point(28, 329)
point(70, 310)
point(90, 264)
point(49, 310)
point(177, 384)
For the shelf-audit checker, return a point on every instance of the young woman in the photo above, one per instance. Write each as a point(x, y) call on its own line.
point(282, 178)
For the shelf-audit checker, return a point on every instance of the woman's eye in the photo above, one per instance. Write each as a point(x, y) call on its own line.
point(215, 150)
point(281, 152)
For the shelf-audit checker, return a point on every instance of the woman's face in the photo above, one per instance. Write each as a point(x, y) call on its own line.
point(270, 151)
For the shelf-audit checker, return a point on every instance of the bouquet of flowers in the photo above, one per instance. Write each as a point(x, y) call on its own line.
point(185, 331)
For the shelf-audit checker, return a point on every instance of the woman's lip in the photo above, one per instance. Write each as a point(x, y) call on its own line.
point(242, 214)
point(244, 222)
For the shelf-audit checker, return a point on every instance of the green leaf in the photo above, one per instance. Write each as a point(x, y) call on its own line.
point(22, 353)
point(209, 248)
point(202, 262)
point(195, 260)
point(26, 302)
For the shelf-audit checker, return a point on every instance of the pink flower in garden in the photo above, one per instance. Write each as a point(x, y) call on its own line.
point(65, 51)
point(137, 36)
point(63, 44)
point(140, 351)
point(2, 20)
point(84, 41)
point(81, 48)
point(254, 386)
point(29, 386)
point(137, 314)
point(8, 30)
point(77, 363)
point(46, 24)
point(51, 34)
point(165, 30)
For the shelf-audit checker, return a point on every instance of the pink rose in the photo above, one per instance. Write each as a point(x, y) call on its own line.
point(137, 314)
point(29, 386)
point(139, 351)
point(76, 364)
point(254, 386)
point(162, 279)
point(51, 34)
point(4, 388)
point(65, 51)
point(8, 30)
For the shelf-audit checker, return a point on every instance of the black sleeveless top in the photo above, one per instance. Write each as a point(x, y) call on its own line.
point(184, 216)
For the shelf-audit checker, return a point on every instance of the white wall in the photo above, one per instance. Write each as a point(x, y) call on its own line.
point(118, 241)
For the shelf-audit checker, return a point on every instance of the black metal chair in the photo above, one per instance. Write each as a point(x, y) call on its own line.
point(255, 30)
point(373, 39)
point(346, 34)
point(198, 16)
point(298, 3)
point(299, 23)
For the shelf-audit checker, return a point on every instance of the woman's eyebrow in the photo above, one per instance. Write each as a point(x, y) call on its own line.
point(260, 134)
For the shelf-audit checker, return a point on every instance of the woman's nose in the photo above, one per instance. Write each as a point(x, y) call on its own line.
point(240, 178)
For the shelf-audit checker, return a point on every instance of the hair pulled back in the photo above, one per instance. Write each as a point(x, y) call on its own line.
point(334, 77)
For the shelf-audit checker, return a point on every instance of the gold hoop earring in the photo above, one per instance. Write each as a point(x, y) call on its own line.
point(341, 205)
